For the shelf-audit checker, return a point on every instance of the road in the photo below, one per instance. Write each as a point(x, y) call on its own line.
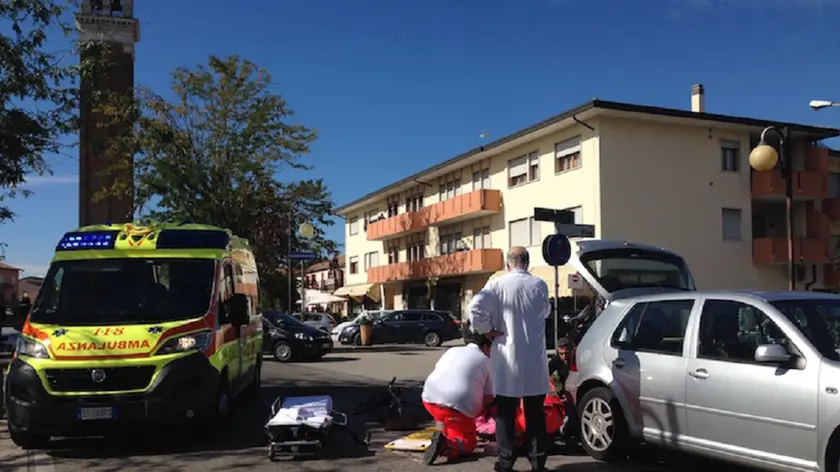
point(348, 376)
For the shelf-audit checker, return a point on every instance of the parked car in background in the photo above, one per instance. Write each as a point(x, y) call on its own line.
point(367, 314)
point(430, 327)
point(287, 339)
point(8, 340)
point(322, 321)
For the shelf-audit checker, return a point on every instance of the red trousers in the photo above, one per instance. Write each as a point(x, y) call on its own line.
point(458, 429)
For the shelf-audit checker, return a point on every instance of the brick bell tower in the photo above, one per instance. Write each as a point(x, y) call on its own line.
point(112, 22)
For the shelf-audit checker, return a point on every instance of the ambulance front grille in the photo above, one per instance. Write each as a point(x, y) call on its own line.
point(110, 379)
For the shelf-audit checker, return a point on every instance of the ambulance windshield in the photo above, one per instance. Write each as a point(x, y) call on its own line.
point(124, 291)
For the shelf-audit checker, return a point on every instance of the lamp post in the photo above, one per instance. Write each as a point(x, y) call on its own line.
point(818, 105)
point(764, 158)
point(305, 230)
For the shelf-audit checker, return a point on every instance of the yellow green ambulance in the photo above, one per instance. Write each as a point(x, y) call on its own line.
point(136, 324)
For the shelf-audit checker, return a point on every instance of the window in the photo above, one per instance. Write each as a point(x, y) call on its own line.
point(393, 255)
point(414, 203)
point(481, 238)
point(731, 221)
point(833, 185)
point(354, 265)
point(450, 243)
point(525, 232)
point(731, 331)
point(524, 169)
point(393, 208)
point(412, 316)
point(730, 156)
point(372, 216)
point(416, 252)
point(578, 212)
point(567, 155)
point(354, 225)
point(481, 179)
point(657, 327)
point(450, 190)
point(818, 320)
point(371, 260)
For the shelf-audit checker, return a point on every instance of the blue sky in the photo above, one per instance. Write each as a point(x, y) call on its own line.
point(394, 86)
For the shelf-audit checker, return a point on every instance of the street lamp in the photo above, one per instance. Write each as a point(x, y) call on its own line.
point(818, 105)
point(305, 230)
point(764, 158)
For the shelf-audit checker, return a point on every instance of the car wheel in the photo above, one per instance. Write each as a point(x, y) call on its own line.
point(357, 340)
point(282, 352)
point(432, 339)
point(604, 433)
point(25, 440)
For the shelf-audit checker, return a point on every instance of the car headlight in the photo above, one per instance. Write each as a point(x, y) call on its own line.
point(304, 337)
point(188, 342)
point(31, 348)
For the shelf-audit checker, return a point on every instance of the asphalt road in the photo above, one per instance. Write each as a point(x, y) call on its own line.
point(349, 376)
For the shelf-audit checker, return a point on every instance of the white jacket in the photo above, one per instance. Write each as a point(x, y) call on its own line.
point(517, 305)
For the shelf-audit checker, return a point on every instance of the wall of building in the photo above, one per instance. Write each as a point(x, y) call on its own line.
point(662, 184)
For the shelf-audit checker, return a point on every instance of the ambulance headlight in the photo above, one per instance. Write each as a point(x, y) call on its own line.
point(189, 342)
point(30, 348)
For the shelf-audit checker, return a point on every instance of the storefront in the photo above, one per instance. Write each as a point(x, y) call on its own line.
point(360, 297)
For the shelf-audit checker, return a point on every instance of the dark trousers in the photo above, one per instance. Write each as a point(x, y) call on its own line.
point(536, 439)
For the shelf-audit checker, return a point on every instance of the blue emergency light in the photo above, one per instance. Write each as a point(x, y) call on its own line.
point(87, 241)
point(193, 239)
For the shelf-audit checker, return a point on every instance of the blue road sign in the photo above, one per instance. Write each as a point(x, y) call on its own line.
point(302, 256)
point(556, 250)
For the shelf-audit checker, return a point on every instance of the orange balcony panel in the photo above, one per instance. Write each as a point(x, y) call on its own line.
point(831, 208)
point(816, 159)
point(395, 226)
point(469, 205)
point(806, 184)
point(805, 250)
point(459, 263)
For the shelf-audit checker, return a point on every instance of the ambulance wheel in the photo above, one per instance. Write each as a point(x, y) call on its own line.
point(604, 433)
point(282, 352)
point(25, 440)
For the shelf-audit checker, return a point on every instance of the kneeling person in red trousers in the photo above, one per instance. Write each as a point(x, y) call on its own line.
point(455, 393)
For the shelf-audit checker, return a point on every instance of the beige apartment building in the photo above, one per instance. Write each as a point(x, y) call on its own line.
point(679, 179)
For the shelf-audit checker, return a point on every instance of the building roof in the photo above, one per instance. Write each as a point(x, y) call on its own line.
point(324, 265)
point(816, 133)
point(3, 265)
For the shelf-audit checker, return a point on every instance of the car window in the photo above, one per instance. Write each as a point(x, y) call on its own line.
point(431, 317)
point(731, 330)
point(412, 316)
point(390, 318)
point(657, 327)
point(818, 320)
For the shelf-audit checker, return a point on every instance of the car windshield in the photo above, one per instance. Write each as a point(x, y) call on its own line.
point(818, 320)
point(282, 318)
point(618, 269)
point(124, 291)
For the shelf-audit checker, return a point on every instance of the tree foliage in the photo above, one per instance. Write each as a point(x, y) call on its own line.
point(212, 154)
point(39, 93)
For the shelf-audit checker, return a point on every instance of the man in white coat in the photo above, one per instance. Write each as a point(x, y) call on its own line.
point(512, 310)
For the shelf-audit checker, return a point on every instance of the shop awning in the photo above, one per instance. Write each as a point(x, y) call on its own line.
point(359, 290)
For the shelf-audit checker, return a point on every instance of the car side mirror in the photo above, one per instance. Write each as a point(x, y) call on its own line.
point(772, 353)
point(238, 309)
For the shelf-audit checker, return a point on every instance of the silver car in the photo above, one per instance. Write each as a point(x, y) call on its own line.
point(747, 377)
point(322, 321)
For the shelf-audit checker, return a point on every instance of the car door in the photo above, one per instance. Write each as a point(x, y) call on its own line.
point(649, 365)
point(233, 351)
point(386, 328)
point(268, 331)
point(411, 327)
point(738, 405)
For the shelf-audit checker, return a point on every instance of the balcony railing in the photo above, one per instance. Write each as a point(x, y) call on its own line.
point(458, 263)
point(469, 205)
point(805, 250)
point(806, 184)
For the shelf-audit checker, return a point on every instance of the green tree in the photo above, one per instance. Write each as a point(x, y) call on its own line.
point(39, 93)
point(212, 153)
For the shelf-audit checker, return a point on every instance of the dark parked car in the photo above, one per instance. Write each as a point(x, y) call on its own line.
point(288, 339)
point(430, 327)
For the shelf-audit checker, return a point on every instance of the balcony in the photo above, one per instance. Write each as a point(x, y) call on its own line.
point(396, 226)
point(805, 250)
point(806, 184)
point(459, 263)
point(469, 205)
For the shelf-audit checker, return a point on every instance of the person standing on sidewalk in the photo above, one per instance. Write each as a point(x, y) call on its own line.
point(512, 310)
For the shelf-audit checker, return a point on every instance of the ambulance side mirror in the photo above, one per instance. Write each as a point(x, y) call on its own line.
point(238, 309)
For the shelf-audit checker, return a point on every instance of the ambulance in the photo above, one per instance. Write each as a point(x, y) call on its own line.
point(136, 324)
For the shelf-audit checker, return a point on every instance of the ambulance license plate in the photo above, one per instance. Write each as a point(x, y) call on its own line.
point(96, 413)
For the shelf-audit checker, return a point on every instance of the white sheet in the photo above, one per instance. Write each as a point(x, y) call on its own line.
point(312, 411)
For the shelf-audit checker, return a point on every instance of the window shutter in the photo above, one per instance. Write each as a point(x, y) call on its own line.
point(519, 166)
point(519, 233)
point(569, 146)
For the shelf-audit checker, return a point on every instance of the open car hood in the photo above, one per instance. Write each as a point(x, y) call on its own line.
point(621, 269)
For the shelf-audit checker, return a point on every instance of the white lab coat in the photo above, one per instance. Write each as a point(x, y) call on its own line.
point(517, 305)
